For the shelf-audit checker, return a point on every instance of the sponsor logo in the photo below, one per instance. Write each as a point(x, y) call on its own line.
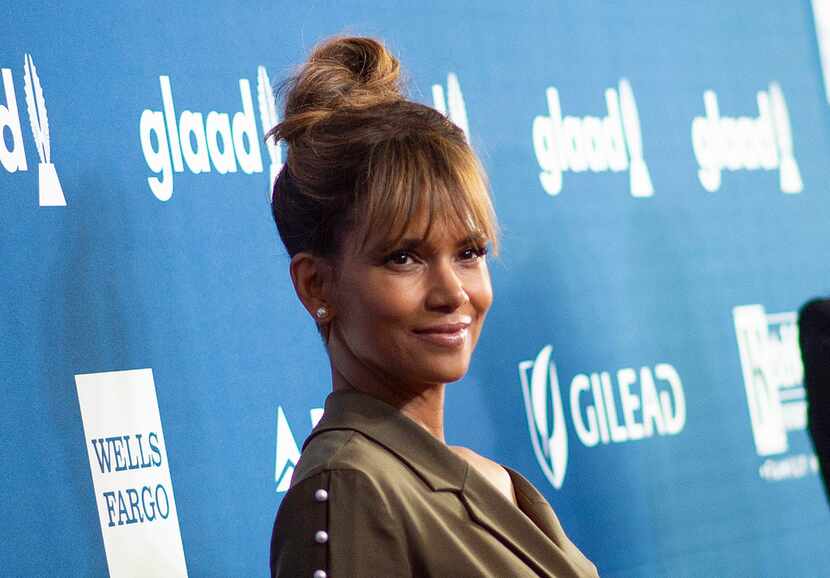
point(203, 143)
point(746, 143)
point(451, 103)
point(50, 193)
point(774, 383)
point(599, 144)
point(604, 408)
point(821, 14)
point(288, 452)
point(130, 473)
point(230, 142)
point(268, 119)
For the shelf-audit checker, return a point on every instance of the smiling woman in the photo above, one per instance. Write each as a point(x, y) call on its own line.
point(385, 212)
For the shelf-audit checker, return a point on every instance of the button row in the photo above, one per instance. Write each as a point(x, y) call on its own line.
point(321, 537)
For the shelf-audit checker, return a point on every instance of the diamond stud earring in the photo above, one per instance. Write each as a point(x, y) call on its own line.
point(321, 312)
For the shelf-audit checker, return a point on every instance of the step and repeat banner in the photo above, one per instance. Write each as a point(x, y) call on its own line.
point(660, 170)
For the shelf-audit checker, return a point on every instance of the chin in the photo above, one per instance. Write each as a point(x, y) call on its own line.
point(447, 374)
point(427, 365)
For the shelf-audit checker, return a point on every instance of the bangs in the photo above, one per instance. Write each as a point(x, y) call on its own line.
point(411, 180)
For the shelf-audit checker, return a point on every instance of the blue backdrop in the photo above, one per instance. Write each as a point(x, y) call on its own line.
point(135, 233)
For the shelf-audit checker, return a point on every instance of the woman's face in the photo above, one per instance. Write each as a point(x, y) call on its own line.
point(411, 314)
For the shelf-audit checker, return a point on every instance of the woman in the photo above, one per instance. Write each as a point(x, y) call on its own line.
point(384, 210)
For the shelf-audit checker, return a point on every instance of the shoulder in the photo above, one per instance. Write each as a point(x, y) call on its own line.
point(494, 472)
point(477, 460)
point(815, 315)
point(334, 450)
point(814, 339)
point(338, 504)
point(344, 471)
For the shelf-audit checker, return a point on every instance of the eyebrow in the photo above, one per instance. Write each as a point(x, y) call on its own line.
point(414, 243)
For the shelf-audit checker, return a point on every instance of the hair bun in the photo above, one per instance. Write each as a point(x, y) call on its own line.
point(343, 72)
point(364, 162)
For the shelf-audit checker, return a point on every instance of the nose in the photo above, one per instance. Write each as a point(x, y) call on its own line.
point(446, 291)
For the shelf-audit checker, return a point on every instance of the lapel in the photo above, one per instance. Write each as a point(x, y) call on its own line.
point(531, 531)
point(535, 506)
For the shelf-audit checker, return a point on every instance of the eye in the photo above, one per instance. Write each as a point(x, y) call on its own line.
point(474, 253)
point(398, 258)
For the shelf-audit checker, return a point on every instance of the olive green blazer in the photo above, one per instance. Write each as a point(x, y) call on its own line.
point(374, 494)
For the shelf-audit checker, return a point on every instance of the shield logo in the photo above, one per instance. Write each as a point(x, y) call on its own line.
point(545, 415)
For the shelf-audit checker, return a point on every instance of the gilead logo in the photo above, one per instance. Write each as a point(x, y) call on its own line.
point(747, 143)
point(130, 473)
point(604, 408)
point(611, 143)
point(203, 143)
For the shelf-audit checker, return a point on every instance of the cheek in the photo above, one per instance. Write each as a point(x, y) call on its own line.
point(481, 293)
point(391, 300)
point(381, 308)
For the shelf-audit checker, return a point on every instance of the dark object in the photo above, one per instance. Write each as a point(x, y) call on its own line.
point(814, 339)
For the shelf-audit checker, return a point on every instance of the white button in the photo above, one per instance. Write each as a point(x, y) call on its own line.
point(321, 495)
point(321, 537)
point(319, 574)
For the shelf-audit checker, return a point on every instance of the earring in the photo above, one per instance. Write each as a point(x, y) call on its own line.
point(321, 312)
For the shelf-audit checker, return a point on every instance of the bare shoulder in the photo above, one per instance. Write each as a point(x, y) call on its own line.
point(472, 456)
point(491, 470)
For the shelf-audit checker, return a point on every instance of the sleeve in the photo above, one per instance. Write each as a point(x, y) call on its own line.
point(337, 524)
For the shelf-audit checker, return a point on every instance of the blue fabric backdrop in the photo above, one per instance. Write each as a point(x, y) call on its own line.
point(188, 278)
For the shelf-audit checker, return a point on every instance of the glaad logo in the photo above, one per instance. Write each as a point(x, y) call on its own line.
point(216, 140)
point(130, 473)
point(288, 452)
point(452, 105)
point(643, 403)
point(774, 383)
point(821, 14)
point(744, 143)
point(600, 144)
point(50, 193)
point(268, 119)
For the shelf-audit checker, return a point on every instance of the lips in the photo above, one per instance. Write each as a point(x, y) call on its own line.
point(448, 335)
point(444, 328)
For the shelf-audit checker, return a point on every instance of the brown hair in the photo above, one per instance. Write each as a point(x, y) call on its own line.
point(363, 158)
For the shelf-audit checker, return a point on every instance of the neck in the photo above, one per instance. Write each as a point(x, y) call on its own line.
point(424, 405)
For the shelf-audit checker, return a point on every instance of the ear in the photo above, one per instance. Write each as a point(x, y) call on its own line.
point(312, 276)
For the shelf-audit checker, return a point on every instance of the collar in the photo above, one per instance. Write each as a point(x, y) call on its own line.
point(391, 428)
